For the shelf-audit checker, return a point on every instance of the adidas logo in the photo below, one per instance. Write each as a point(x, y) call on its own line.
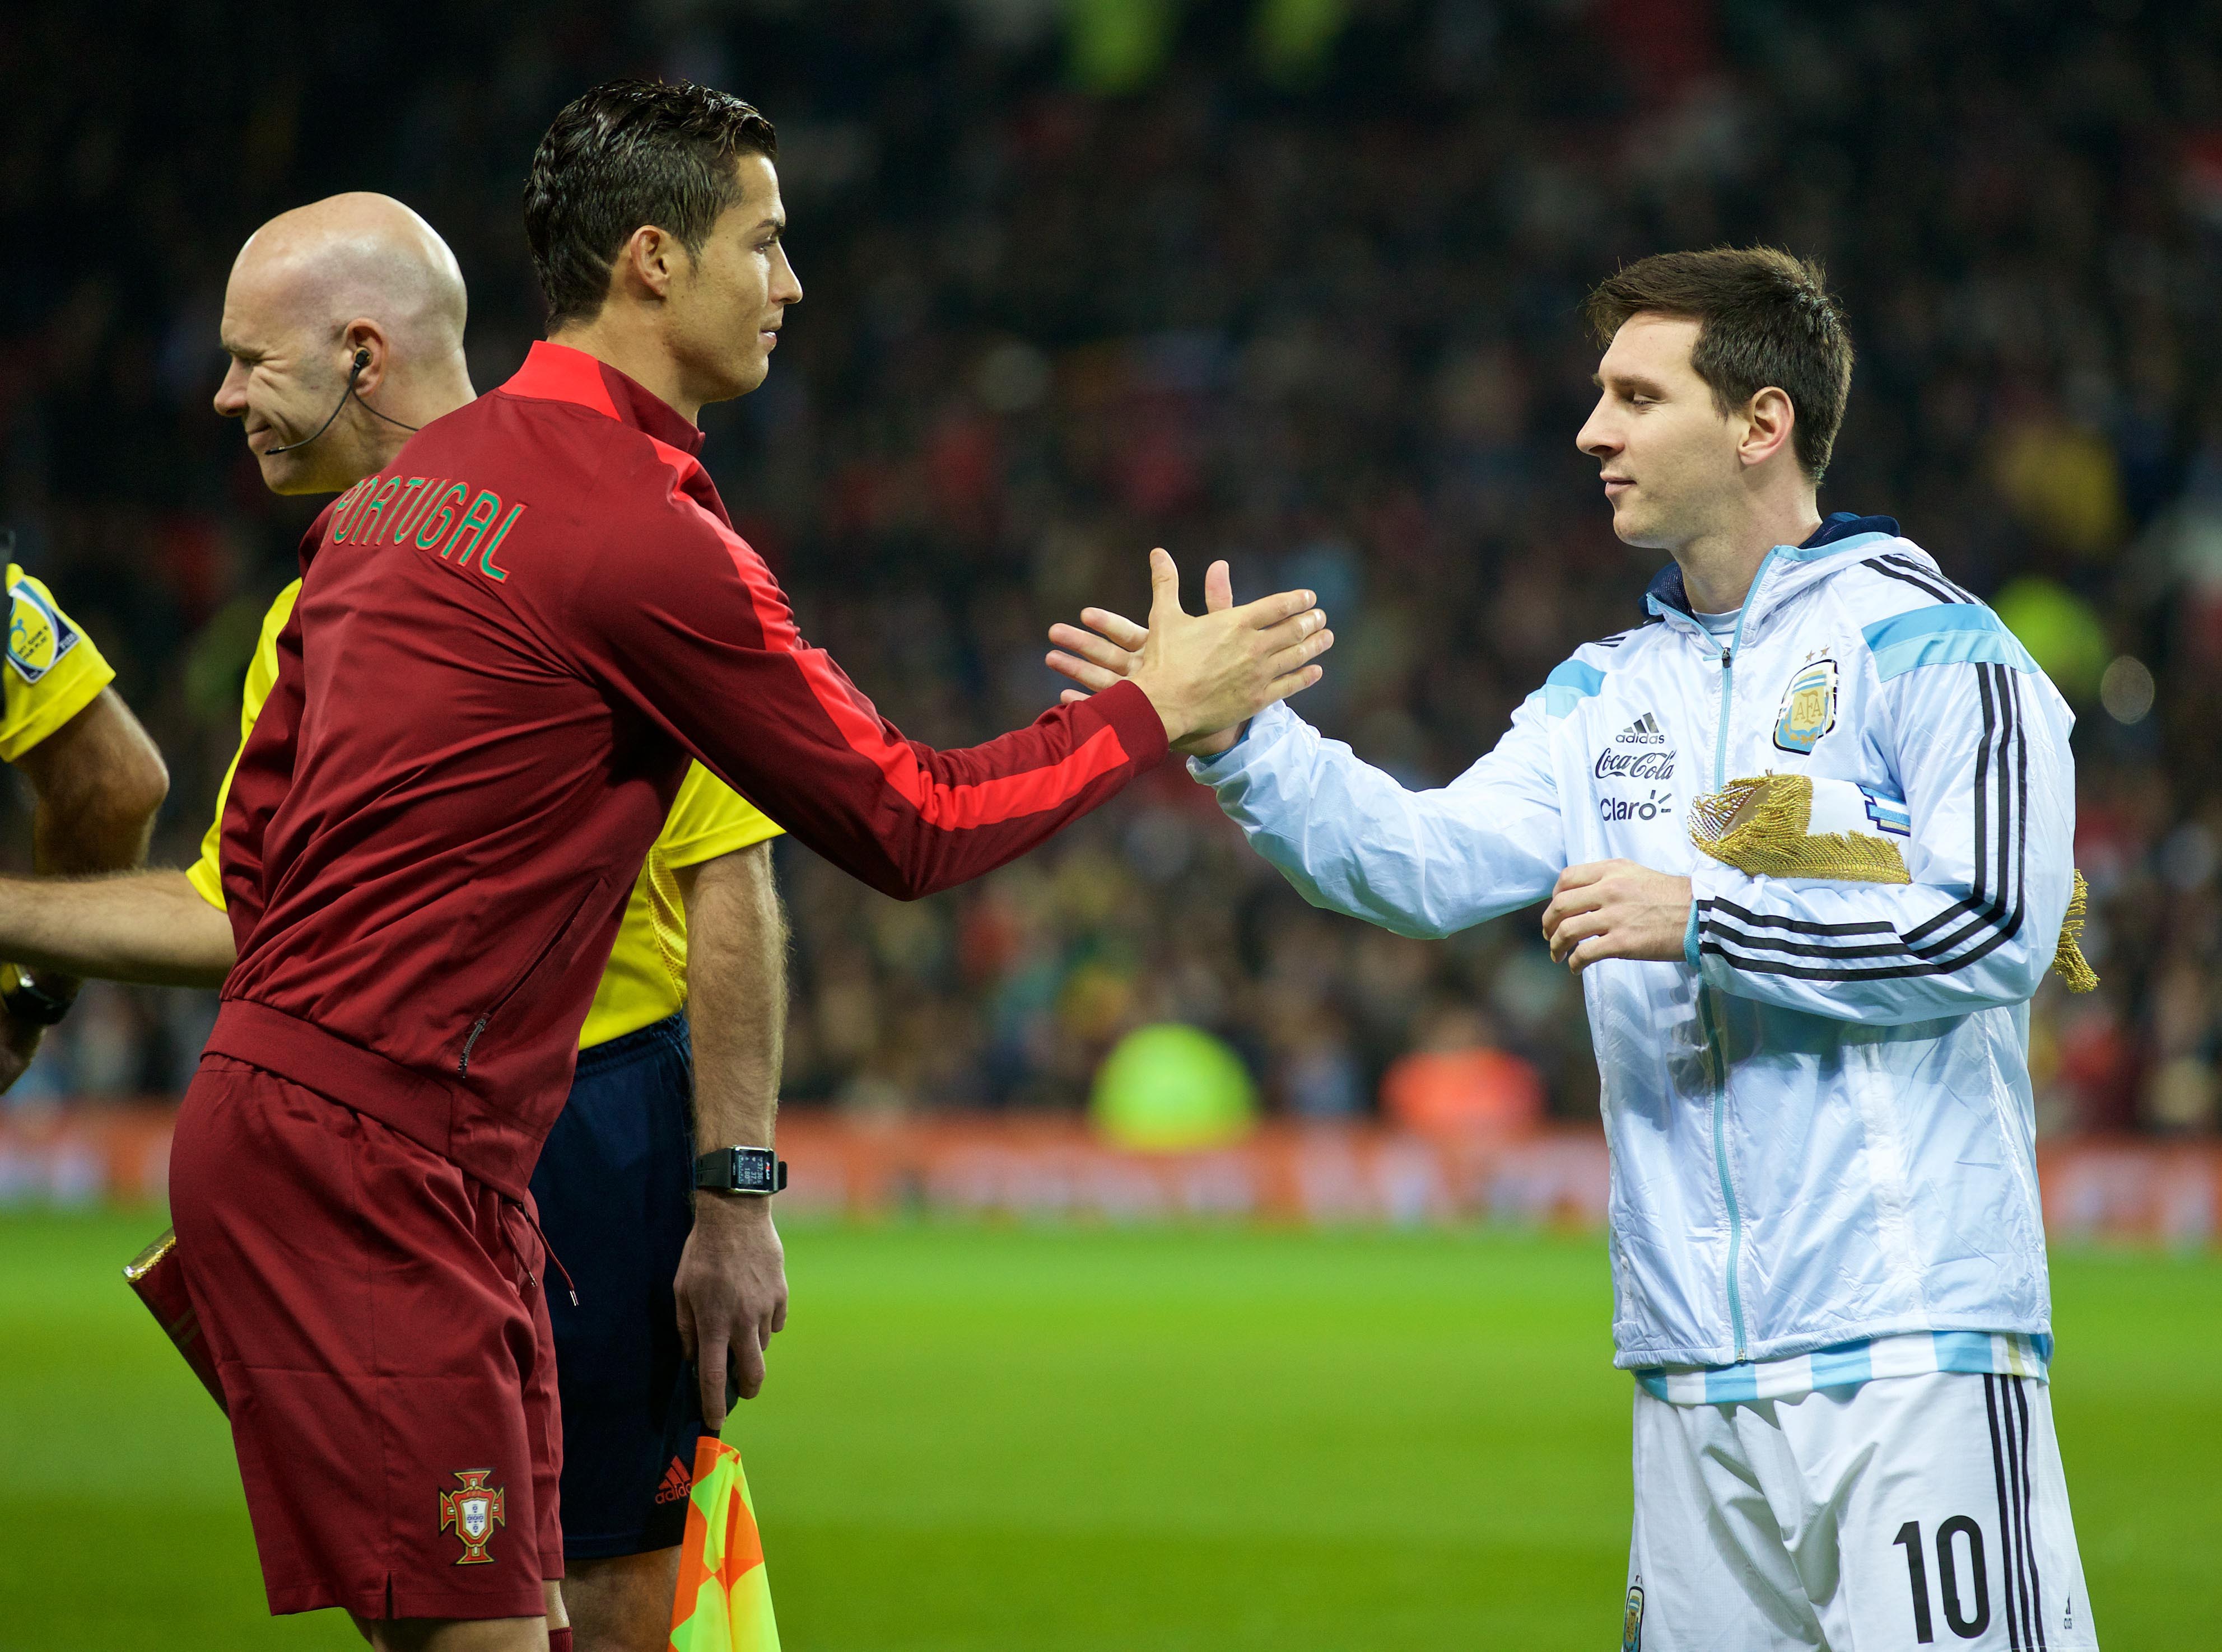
point(1655, 763)
point(677, 1483)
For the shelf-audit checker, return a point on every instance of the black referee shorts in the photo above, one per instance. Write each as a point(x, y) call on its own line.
point(616, 1190)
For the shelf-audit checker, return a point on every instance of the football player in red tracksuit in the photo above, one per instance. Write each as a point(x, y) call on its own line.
point(507, 646)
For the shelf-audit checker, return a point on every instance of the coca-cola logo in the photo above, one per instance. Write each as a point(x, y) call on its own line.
point(1635, 766)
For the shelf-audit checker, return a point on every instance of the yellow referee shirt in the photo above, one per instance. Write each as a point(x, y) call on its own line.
point(52, 673)
point(645, 980)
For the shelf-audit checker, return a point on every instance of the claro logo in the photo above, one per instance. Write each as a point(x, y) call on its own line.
point(1650, 808)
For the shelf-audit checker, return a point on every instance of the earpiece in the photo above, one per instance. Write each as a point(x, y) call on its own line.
point(354, 372)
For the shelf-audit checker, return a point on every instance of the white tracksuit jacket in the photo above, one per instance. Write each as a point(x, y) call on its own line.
point(1820, 1125)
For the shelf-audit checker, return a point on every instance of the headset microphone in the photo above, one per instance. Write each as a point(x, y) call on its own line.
point(354, 371)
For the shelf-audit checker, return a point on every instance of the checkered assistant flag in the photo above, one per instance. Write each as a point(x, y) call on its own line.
point(724, 1603)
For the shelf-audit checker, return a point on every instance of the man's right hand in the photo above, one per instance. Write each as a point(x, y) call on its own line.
point(1206, 674)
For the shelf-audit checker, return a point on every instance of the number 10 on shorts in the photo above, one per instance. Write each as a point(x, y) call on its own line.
point(1965, 1623)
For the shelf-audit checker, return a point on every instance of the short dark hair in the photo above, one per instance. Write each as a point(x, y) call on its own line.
point(1764, 317)
point(627, 153)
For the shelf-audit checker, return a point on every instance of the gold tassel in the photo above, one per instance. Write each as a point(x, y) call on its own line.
point(2067, 958)
point(1758, 826)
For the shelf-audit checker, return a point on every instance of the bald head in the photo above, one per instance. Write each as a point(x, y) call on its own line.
point(312, 288)
point(357, 255)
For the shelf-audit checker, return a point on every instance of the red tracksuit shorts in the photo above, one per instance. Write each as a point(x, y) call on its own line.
point(376, 1316)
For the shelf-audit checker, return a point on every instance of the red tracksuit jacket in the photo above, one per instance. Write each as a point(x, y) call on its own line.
point(507, 646)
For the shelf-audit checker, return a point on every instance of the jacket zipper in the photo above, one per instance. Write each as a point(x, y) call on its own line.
point(463, 1061)
point(1704, 993)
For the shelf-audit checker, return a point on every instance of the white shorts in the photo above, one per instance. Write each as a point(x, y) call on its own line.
point(1908, 1512)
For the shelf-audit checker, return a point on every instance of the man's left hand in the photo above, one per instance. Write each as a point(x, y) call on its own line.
point(731, 1288)
point(1616, 909)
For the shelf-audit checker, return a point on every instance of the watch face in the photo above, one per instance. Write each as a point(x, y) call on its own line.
point(753, 1170)
point(740, 1170)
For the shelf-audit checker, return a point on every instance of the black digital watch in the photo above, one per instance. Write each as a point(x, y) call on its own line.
point(741, 1170)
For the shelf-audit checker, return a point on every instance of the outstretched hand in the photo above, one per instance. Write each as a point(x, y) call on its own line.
point(1206, 674)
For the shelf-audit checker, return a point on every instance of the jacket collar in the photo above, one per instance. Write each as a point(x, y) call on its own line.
point(1665, 594)
point(556, 372)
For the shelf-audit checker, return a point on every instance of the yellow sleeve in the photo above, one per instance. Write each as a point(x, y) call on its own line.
point(708, 818)
point(53, 672)
point(204, 875)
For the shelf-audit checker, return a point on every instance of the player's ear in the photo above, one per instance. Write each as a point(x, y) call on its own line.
point(363, 342)
point(649, 261)
point(1768, 418)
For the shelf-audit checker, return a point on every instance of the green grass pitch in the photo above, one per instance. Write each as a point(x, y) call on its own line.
point(1026, 1440)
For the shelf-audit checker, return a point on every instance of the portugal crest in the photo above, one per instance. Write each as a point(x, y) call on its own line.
point(474, 1511)
point(1809, 707)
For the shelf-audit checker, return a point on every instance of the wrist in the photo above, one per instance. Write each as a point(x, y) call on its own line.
point(1175, 728)
point(735, 1209)
point(1210, 746)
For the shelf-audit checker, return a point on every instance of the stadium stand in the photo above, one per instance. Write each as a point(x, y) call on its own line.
point(1304, 300)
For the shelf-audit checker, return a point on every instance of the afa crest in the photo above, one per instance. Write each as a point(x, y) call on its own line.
point(38, 636)
point(473, 1512)
point(1809, 707)
point(1631, 1621)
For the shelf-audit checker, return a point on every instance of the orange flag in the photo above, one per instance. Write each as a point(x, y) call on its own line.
point(724, 1603)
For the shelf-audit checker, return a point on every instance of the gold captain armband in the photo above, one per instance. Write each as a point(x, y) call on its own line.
point(1765, 827)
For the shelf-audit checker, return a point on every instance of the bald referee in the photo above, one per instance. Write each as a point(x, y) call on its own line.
point(361, 278)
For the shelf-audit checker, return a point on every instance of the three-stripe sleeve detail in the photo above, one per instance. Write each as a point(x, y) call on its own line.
point(1898, 566)
point(1989, 915)
point(2006, 1403)
point(1929, 583)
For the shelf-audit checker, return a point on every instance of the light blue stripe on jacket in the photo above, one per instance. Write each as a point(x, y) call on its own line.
point(1568, 685)
point(1946, 635)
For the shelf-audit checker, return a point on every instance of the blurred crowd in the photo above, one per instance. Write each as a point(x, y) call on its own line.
point(1292, 283)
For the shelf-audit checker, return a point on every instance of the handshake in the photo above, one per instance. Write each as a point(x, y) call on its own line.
point(1206, 674)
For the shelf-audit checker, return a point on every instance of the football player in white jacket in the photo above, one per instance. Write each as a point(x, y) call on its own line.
point(1827, 1256)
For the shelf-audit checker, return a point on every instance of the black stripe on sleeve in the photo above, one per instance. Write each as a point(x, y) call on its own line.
point(2012, 832)
point(1922, 581)
point(1797, 925)
point(2009, 682)
point(1959, 593)
point(1975, 900)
